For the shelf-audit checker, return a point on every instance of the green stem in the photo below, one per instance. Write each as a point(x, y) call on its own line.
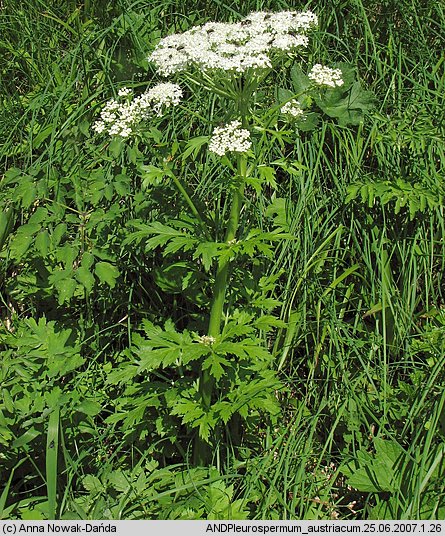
point(206, 383)
point(190, 203)
point(219, 289)
point(202, 450)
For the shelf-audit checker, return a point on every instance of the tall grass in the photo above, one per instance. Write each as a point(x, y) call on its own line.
point(361, 284)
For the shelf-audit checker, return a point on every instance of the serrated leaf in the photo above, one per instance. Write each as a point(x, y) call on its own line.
point(119, 481)
point(378, 472)
point(267, 322)
point(349, 109)
point(151, 175)
point(92, 484)
point(207, 251)
point(267, 174)
point(215, 363)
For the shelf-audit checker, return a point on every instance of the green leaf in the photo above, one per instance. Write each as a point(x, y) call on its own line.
point(119, 481)
point(42, 243)
point(151, 175)
point(89, 407)
point(85, 277)
point(300, 80)
point(107, 273)
point(6, 225)
point(66, 288)
point(92, 484)
point(215, 363)
point(208, 251)
point(349, 109)
point(52, 452)
point(193, 146)
point(378, 472)
point(20, 245)
point(116, 147)
point(58, 233)
point(267, 322)
point(26, 438)
point(284, 95)
point(267, 174)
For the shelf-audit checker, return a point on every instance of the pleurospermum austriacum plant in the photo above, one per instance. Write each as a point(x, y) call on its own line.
point(225, 375)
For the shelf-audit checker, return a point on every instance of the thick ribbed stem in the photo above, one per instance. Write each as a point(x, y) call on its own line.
point(202, 451)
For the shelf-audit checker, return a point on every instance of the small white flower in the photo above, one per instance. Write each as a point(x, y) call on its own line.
point(121, 118)
point(289, 42)
point(208, 340)
point(325, 76)
point(164, 95)
point(230, 138)
point(292, 108)
point(124, 92)
point(99, 127)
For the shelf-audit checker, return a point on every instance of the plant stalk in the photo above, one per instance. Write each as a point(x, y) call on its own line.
point(202, 452)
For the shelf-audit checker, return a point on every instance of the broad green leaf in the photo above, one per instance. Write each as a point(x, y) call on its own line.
point(85, 277)
point(285, 95)
point(66, 288)
point(308, 121)
point(300, 80)
point(42, 243)
point(6, 225)
point(107, 273)
point(89, 407)
point(378, 472)
point(349, 109)
point(116, 146)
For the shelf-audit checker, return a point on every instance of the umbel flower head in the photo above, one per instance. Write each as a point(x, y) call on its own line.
point(230, 138)
point(292, 109)
point(236, 47)
point(119, 117)
point(325, 76)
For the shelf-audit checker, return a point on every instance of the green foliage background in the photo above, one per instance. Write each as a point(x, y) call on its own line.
point(357, 288)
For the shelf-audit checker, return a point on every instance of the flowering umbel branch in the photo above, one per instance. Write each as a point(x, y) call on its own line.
point(248, 45)
point(121, 116)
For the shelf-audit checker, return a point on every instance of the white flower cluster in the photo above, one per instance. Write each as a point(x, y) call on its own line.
point(164, 95)
point(119, 118)
point(230, 138)
point(325, 76)
point(292, 109)
point(236, 47)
